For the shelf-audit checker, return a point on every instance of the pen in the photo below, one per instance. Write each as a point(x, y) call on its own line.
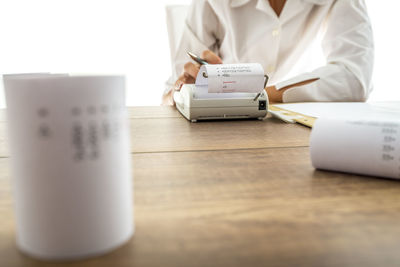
point(197, 59)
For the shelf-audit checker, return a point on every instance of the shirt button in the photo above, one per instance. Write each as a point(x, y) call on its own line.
point(275, 32)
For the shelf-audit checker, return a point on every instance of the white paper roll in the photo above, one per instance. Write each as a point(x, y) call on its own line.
point(231, 78)
point(71, 164)
point(369, 147)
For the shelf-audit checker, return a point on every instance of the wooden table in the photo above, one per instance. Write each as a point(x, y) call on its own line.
point(236, 193)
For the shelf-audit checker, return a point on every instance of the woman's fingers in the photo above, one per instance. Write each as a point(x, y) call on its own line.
point(183, 79)
point(187, 78)
point(211, 57)
point(191, 69)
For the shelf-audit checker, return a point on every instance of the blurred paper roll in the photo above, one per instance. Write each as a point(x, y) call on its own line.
point(368, 147)
point(71, 166)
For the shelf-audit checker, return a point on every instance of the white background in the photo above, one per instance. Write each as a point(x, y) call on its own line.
point(130, 37)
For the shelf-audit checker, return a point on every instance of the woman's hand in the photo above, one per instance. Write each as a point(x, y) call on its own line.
point(191, 69)
point(276, 96)
point(189, 74)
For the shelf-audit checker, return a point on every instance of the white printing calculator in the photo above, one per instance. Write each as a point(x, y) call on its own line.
point(196, 104)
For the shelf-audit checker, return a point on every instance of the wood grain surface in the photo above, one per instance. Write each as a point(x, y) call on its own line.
point(260, 207)
point(178, 134)
point(156, 129)
point(133, 112)
point(239, 205)
point(153, 112)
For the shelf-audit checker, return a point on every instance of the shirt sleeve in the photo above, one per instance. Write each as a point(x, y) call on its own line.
point(200, 33)
point(349, 50)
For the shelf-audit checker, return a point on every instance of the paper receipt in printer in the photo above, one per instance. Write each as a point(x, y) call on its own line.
point(231, 78)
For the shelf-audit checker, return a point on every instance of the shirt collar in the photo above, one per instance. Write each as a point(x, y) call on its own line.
point(239, 3)
point(317, 2)
point(291, 9)
point(260, 3)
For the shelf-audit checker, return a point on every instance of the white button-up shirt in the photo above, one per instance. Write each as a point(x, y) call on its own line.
point(250, 31)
